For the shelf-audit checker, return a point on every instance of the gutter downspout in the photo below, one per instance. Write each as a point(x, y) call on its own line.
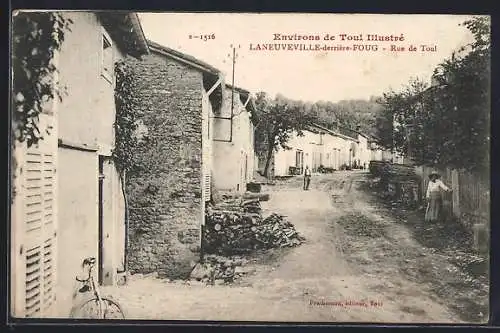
point(232, 98)
point(127, 224)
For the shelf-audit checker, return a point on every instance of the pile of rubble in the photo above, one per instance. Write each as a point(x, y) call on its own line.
point(233, 228)
point(220, 270)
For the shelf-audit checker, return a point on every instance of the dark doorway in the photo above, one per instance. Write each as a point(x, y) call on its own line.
point(299, 161)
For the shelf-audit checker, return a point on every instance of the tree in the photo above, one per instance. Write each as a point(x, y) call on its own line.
point(350, 114)
point(36, 38)
point(399, 112)
point(465, 102)
point(276, 120)
point(448, 123)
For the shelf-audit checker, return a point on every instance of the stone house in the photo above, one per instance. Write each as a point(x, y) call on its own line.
point(69, 203)
point(178, 96)
point(233, 146)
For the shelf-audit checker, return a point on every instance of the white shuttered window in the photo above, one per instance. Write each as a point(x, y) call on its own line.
point(39, 232)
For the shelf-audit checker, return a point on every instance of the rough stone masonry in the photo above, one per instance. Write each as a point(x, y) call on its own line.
point(165, 193)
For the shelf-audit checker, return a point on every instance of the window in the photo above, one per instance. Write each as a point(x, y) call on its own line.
point(107, 58)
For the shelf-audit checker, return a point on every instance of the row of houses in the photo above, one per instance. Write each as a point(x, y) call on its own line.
point(70, 202)
point(331, 147)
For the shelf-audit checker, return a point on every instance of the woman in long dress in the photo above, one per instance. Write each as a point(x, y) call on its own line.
point(434, 197)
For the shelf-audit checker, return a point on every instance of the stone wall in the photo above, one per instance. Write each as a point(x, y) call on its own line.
point(165, 192)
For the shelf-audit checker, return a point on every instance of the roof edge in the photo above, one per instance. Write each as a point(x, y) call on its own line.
point(332, 132)
point(183, 57)
point(238, 89)
point(139, 32)
point(125, 28)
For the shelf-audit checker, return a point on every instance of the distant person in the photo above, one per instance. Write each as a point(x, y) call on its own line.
point(307, 178)
point(434, 197)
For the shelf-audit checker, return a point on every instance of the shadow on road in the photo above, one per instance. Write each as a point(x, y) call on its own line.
point(442, 256)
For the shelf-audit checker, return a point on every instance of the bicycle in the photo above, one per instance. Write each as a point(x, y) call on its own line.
point(94, 306)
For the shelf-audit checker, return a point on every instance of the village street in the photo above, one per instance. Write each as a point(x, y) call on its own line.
point(358, 264)
point(188, 195)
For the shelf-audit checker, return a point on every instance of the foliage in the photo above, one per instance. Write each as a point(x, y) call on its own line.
point(350, 114)
point(397, 113)
point(36, 38)
point(126, 123)
point(448, 123)
point(276, 120)
point(127, 131)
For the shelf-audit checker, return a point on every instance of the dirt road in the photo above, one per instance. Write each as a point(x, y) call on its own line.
point(359, 263)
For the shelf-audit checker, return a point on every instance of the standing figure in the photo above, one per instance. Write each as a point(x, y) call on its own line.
point(307, 178)
point(434, 197)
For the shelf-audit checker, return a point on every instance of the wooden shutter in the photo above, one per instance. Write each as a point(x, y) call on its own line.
point(39, 235)
point(34, 220)
point(206, 148)
point(206, 187)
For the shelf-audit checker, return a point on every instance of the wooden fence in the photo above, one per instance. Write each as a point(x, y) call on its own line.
point(470, 200)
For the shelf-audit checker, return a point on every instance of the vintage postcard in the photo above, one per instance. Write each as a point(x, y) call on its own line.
point(250, 167)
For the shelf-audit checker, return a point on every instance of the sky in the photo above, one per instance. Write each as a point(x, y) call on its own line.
point(312, 75)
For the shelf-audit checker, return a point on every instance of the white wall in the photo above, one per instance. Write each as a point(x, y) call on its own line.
point(229, 158)
point(206, 144)
point(334, 150)
point(86, 118)
point(376, 155)
point(364, 153)
point(337, 149)
point(284, 159)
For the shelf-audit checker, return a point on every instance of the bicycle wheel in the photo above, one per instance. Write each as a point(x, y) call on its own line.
point(89, 309)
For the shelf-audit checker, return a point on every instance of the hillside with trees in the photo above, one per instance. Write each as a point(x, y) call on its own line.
point(351, 114)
